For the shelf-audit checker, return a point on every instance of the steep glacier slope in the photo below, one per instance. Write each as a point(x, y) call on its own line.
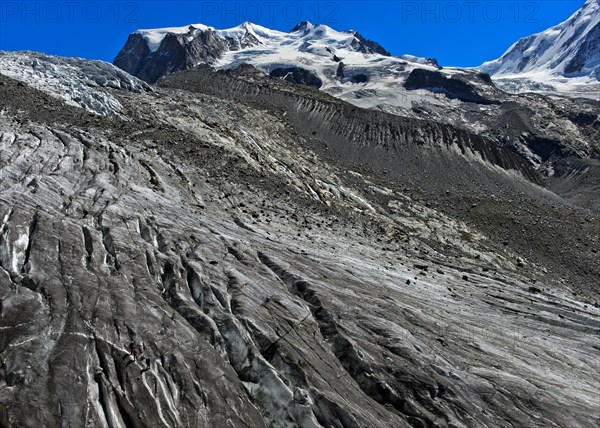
point(203, 264)
point(566, 56)
point(73, 80)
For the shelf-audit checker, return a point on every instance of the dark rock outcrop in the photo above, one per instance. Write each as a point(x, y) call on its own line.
point(434, 62)
point(340, 70)
point(587, 52)
point(368, 46)
point(297, 75)
point(359, 78)
point(174, 53)
point(353, 76)
point(454, 87)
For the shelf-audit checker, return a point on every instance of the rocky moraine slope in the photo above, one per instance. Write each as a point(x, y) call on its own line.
point(543, 130)
point(226, 248)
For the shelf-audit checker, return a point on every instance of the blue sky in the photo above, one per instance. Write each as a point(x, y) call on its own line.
point(459, 33)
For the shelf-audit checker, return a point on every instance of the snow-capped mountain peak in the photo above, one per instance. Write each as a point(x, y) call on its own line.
point(302, 27)
point(568, 50)
point(154, 37)
point(342, 63)
point(153, 53)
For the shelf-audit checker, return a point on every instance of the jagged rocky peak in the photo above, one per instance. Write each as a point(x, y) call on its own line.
point(360, 43)
point(152, 54)
point(368, 46)
point(301, 27)
point(569, 50)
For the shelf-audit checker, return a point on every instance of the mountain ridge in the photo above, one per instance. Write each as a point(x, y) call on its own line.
point(564, 59)
point(193, 44)
point(335, 63)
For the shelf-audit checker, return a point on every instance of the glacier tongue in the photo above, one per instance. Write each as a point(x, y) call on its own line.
point(78, 82)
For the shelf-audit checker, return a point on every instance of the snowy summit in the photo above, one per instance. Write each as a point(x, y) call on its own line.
point(342, 63)
point(562, 57)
